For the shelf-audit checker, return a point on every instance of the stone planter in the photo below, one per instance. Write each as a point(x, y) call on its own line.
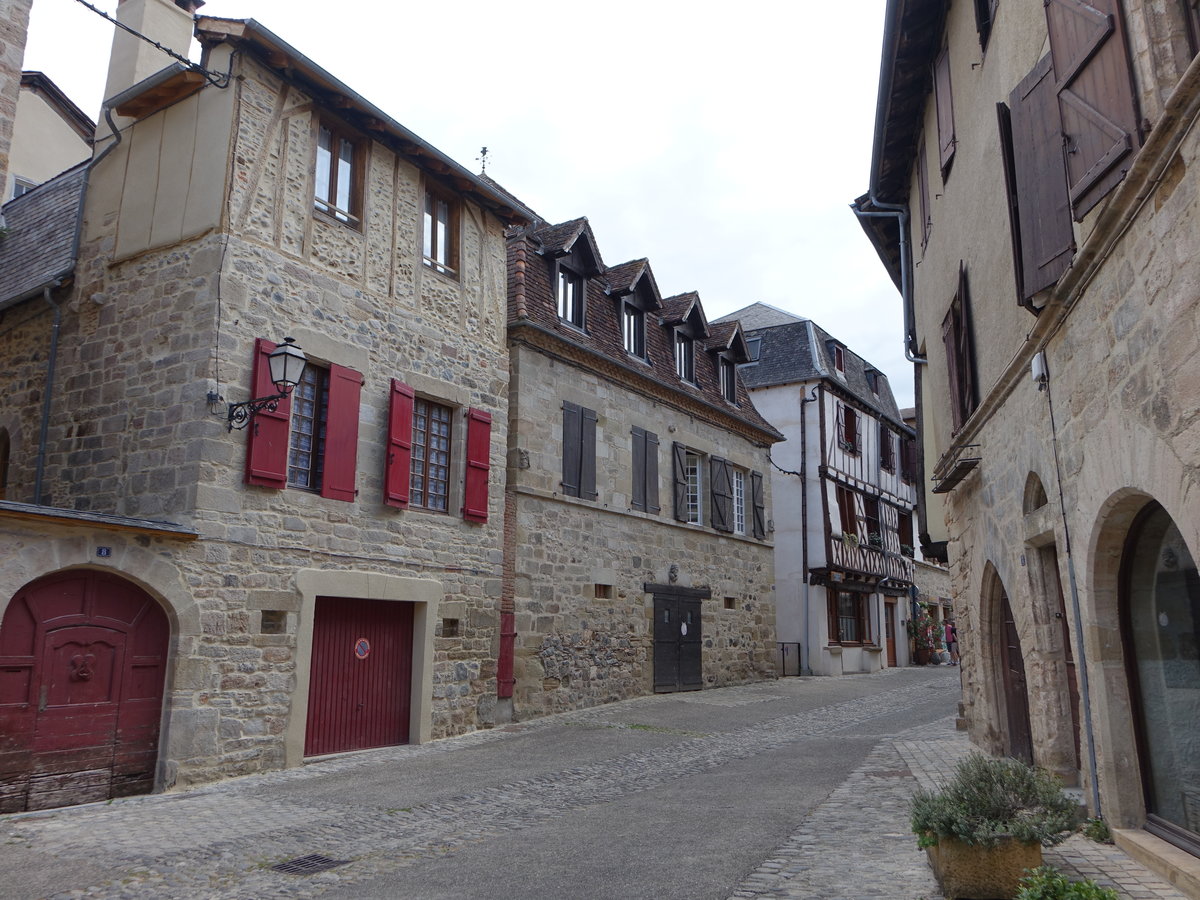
point(967, 872)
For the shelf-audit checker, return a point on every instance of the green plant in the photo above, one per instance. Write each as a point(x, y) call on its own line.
point(923, 630)
point(990, 799)
point(1096, 829)
point(1047, 883)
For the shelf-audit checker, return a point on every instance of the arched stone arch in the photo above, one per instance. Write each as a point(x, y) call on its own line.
point(1010, 729)
point(1035, 496)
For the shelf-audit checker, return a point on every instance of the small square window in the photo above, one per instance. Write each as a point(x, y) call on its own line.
point(731, 602)
point(604, 591)
point(338, 182)
point(450, 628)
point(22, 186)
point(439, 248)
point(274, 621)
point(754, 348)
point(570, 293)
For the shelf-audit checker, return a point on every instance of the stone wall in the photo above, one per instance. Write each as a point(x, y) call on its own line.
point(573, 647)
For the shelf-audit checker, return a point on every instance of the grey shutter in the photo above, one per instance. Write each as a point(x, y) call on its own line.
point(1095, 96)
point(572, 452)
point(1047, 241)
point(966, 349)
point(587, 459)
point(721, 479)
point(652, 472)
point(679, 471)
point(945, 111)
point(760, 505)
point(950, 343)
point(638, 495)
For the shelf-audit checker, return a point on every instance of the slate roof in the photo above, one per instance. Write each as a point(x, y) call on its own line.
point(556, 239)
point(40, 244)
point(798, 351)
point(760, 315)
point(622, 278)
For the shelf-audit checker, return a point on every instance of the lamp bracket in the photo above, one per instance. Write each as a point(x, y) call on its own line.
point(240, 414)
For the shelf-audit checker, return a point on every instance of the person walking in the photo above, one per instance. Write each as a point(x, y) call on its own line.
point(952, 641)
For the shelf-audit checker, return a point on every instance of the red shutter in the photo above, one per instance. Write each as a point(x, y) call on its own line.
point(397, 472)
point(341, 434)
point(945, 111)
point(267, 444)
point(1095, 96)
point(479, 448)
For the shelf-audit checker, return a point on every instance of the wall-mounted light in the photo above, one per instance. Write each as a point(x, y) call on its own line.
point(286, 363)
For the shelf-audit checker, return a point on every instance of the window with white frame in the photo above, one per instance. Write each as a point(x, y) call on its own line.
point(739, 501)
point(685, 357)
point(728, 379)
point(691, 470)
point(570, 296)
point(633, 330)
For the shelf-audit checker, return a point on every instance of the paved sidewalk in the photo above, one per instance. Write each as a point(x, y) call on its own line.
point(857, 845)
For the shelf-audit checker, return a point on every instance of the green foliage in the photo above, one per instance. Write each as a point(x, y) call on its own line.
point(924, 631)
point(990, 799)
point(1097, 830)
point(1047, 883)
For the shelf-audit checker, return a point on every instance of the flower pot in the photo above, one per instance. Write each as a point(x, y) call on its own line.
point(968, 872)
point(921, 656)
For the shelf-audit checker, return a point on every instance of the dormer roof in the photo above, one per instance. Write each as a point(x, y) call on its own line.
point(685, 309)
point(569, 238)
point(631, 277)
point(727, 337)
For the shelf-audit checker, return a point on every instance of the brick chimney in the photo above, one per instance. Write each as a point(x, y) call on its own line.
point(14, 27)
point(167, 21)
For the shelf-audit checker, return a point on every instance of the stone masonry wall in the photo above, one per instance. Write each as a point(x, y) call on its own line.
point(577, 649)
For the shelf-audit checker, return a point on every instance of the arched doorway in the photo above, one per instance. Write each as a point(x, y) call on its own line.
point(1160, 613)
point(1019, 735)
point(83, 659)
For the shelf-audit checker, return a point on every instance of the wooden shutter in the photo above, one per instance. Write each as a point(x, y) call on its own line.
point(479, 450)
point(760, 505)
point(945, 111)
point(923, 194)
point(1047, 241)
point(969, 395)
point(721, 487)
point(267, 443)
point(1095, 96)
point(950, 343)
point(652, 473)
point(341, 434)
point(572, 451)
point(397, 473)
point(887, 457)
point(679, 475)
point(846, 512)
point(638, 494)
point(985, 16)
point(587, 454)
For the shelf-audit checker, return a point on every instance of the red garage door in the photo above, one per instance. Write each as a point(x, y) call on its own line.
point(361, 676)
point(82, 661)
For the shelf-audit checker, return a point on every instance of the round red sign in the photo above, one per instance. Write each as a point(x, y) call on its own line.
point(362, 648)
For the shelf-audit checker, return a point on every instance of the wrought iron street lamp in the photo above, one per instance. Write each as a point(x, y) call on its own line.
point(286, 363)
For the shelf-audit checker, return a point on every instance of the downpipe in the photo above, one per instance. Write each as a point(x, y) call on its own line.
point(899, 211)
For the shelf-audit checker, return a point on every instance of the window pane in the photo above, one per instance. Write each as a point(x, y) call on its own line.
point(442, 243)
point(692, 471)
point(324, 166)
point(430, 483)
point(427, 233)
point(306, 444)
point(739, 502)
point(345, 176)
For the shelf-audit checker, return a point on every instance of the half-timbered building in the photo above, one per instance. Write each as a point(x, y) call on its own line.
point(844, 488)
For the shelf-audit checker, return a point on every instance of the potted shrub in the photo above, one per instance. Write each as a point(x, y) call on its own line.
point(988, 824)
point(875, 539)
point(921, 629)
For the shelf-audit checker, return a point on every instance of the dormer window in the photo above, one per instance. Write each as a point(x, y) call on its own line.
point(685, 357)
point(570, 296)
point(754, 348)
point(338, 179)
point(633, 330)
point(873, 380)
point(728, 379)
point(839, 358)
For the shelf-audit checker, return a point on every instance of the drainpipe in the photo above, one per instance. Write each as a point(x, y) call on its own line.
point(1076, 613)
point(804, 401)
point(899, 211)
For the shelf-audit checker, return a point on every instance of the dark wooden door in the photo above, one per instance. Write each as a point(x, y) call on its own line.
point(889, 628)
point(1050, 564)
point(677, 643)
point(82, 665)
point(1016, 695)
point(360, 683)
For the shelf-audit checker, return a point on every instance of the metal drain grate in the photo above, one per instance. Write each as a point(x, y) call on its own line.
point(309, 865)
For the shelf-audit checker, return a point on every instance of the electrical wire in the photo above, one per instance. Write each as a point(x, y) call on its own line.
point(217, 79)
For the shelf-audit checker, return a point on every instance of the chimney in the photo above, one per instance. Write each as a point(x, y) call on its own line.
point(169, 22)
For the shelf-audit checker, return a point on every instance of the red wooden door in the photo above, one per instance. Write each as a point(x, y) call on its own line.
point(361, 676)
point(82, 663)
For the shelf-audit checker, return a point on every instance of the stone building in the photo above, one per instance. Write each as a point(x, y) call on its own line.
point(638, 530)
point(179, 600)
point(1033, 192)
point(844, 491)
point(51, 134)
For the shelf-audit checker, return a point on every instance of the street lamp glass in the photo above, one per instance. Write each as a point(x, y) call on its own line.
point(287, 362)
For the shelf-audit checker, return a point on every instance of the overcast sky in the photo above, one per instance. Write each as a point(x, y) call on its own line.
point(724, 142)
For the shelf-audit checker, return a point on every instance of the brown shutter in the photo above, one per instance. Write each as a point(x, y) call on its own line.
point(950, 343)
point(1095, 96)
point(679, 473)
point(985, 15)
point(721, 487)
point(1047, 241)
point(760, 505)
point(638, 494)
point(652, 472)
point(966, 347)
point(923, 195)
point(587, 451)
point(572, 452)
point(945, 111)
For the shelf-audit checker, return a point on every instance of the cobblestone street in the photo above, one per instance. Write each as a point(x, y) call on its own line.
point(664, 796)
